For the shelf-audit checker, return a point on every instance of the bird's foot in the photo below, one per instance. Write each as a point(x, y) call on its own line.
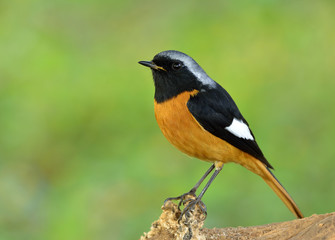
point(189, 200)
point(182, 198)
point(190, 207)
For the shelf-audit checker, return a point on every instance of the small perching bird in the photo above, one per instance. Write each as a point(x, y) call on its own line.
point(201, 119)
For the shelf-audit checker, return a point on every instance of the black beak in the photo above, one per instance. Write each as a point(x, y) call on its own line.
point(151, 65)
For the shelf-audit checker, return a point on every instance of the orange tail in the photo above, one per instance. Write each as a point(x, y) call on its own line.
point(272, 181)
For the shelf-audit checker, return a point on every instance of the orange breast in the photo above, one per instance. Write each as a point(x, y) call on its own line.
point(184, 132)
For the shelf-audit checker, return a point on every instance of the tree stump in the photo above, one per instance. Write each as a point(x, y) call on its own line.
point(167, 227)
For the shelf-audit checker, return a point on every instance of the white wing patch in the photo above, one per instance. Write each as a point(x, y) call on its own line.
point(240, 129)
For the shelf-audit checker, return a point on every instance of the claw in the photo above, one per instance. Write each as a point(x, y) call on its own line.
point(182, 198)
point(191, 206)
point(189, 200)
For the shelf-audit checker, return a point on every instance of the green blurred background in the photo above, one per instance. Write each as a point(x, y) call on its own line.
point(81, 156)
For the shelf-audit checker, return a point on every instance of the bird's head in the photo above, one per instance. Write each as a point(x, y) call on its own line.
point(175, 72)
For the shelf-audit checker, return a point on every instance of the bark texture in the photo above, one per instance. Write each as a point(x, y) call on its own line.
point(167, 227)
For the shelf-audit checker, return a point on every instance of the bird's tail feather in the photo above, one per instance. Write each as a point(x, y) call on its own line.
point(276, 186)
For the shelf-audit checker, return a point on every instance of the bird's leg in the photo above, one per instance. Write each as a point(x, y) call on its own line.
point(190, 206)
point(192, 191)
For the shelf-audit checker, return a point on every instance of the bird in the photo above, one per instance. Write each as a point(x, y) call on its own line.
point(201, 119)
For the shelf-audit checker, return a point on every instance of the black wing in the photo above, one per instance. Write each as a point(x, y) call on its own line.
point(215, 110)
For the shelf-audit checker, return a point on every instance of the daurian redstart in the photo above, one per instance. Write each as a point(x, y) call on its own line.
point(201, 119)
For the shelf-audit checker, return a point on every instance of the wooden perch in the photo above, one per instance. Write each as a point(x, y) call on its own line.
point(167, 227)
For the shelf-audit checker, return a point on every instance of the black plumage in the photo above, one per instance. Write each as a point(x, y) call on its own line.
point(215, 110)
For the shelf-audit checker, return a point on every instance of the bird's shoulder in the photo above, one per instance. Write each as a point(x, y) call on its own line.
point(215, 104)
point(215, 110)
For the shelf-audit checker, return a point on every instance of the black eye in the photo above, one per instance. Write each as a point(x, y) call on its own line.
point(176, 65)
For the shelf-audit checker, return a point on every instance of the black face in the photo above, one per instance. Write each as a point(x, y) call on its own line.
point(173, 79)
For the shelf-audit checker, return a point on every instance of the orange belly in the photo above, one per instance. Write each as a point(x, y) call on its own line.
point(184, 132)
